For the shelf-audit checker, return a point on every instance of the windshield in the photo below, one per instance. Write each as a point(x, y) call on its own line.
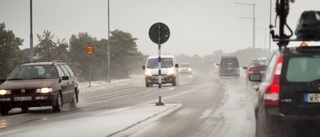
point(185, 65)
point(33, 72)
point(303, 69)
point(165, 63)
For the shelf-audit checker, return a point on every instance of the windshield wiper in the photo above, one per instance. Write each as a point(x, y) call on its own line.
point(15, 79)
point(38, 78)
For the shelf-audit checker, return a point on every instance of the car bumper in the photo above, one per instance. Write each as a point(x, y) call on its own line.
point(164, 79)
point(36, 100)
point(274, 114)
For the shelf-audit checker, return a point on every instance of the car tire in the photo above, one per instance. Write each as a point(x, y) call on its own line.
point(4, 111)
point(24, 109)
point(147, 84)
point(57, 106)
point(174, 82)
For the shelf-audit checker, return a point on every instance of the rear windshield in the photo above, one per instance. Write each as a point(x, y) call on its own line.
point(165, 63)
point(303, 69)
point(229, 61)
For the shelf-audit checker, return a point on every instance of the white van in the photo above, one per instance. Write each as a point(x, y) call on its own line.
point(169, 70)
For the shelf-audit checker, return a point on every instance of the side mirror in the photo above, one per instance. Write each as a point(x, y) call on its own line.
point(143, 66)
point(245, 67)
point(256, 77)
point(176, 65)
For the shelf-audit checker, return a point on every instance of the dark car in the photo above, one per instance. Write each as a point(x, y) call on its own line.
point(289, 92)
point(258, 65)
point(39, 84)
point(229, 66)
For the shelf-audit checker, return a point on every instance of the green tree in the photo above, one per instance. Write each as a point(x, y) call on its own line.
point(125, 57)
point(10, 53)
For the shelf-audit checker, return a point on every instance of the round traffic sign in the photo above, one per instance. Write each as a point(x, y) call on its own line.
point(159, 33)
point(89, 50)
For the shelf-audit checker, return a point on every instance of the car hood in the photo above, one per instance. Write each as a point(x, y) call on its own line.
point(28, 84)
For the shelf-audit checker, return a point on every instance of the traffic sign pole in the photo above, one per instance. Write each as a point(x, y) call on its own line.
point(160, 103)
point(159, 33)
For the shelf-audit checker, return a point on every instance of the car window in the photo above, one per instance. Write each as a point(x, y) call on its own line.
point(60, 72)
point(165, 63)
point(33, 72)
point(65, 71)
point(69, 70)
point(303, 69)
point(229, 61)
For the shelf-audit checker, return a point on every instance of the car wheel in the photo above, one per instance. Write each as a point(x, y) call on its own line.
point(147, 84)
point(74, 100)
point(24, 109)
point(57, 106)
point(174, 82)
point(4, 110)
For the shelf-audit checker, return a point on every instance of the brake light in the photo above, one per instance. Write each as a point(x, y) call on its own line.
point(271, 96)
point(220, 68)
point(250, 71)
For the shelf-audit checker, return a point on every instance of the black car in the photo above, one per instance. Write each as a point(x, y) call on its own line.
point(229, 66)
point(289, 93)
point(39, 84)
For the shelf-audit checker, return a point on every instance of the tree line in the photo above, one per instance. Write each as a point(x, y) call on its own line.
point(125, 57)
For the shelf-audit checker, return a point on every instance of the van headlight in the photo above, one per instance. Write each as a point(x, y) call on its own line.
point(147, 72)
point(171, 71)
point(44, 90)
point(5, 92)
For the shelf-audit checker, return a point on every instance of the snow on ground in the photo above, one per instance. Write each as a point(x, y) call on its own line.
point(97, 85)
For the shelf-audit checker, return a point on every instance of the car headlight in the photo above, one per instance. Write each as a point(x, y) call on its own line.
point(5, 92)
point(170, 71)
point(44, 90)
point(147, 72)
point(190, 69)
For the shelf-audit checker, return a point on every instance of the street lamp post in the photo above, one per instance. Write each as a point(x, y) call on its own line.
point(108, 72)
point(253, 21)
point(31, 35)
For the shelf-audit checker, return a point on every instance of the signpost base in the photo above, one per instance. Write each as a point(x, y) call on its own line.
point(160, 103)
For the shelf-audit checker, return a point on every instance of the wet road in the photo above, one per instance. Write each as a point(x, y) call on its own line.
point(211, 107)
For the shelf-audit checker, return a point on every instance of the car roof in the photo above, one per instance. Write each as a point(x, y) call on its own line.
point(43, 63)
point(162, 56)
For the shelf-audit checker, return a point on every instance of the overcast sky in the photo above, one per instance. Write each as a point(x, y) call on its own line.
point(198, 27)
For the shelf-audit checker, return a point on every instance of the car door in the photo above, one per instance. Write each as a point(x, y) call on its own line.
point(65, 84)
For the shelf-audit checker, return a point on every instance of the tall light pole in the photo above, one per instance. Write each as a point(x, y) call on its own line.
point(253, 21)
point(270, 28)
point(31, 35)
point(108, 73)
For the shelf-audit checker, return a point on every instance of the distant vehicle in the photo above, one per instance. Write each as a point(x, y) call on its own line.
point(258, 65)
point(39, 84)
point(185, 68)
point(290, 90)
point(169, 70)
point(229, 66)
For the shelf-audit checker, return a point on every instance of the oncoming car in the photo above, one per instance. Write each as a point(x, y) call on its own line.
point(169, 70)
point(39, 84)
point(185, 68)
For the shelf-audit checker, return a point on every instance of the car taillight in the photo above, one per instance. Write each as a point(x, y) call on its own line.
point(220, 68)
point(271, 96)
point(250, 71)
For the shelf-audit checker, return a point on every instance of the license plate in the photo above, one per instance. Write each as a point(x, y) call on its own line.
point(311, 98)
point(27, 98)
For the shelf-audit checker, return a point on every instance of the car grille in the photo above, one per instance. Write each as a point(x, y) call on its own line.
point(21, 92)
